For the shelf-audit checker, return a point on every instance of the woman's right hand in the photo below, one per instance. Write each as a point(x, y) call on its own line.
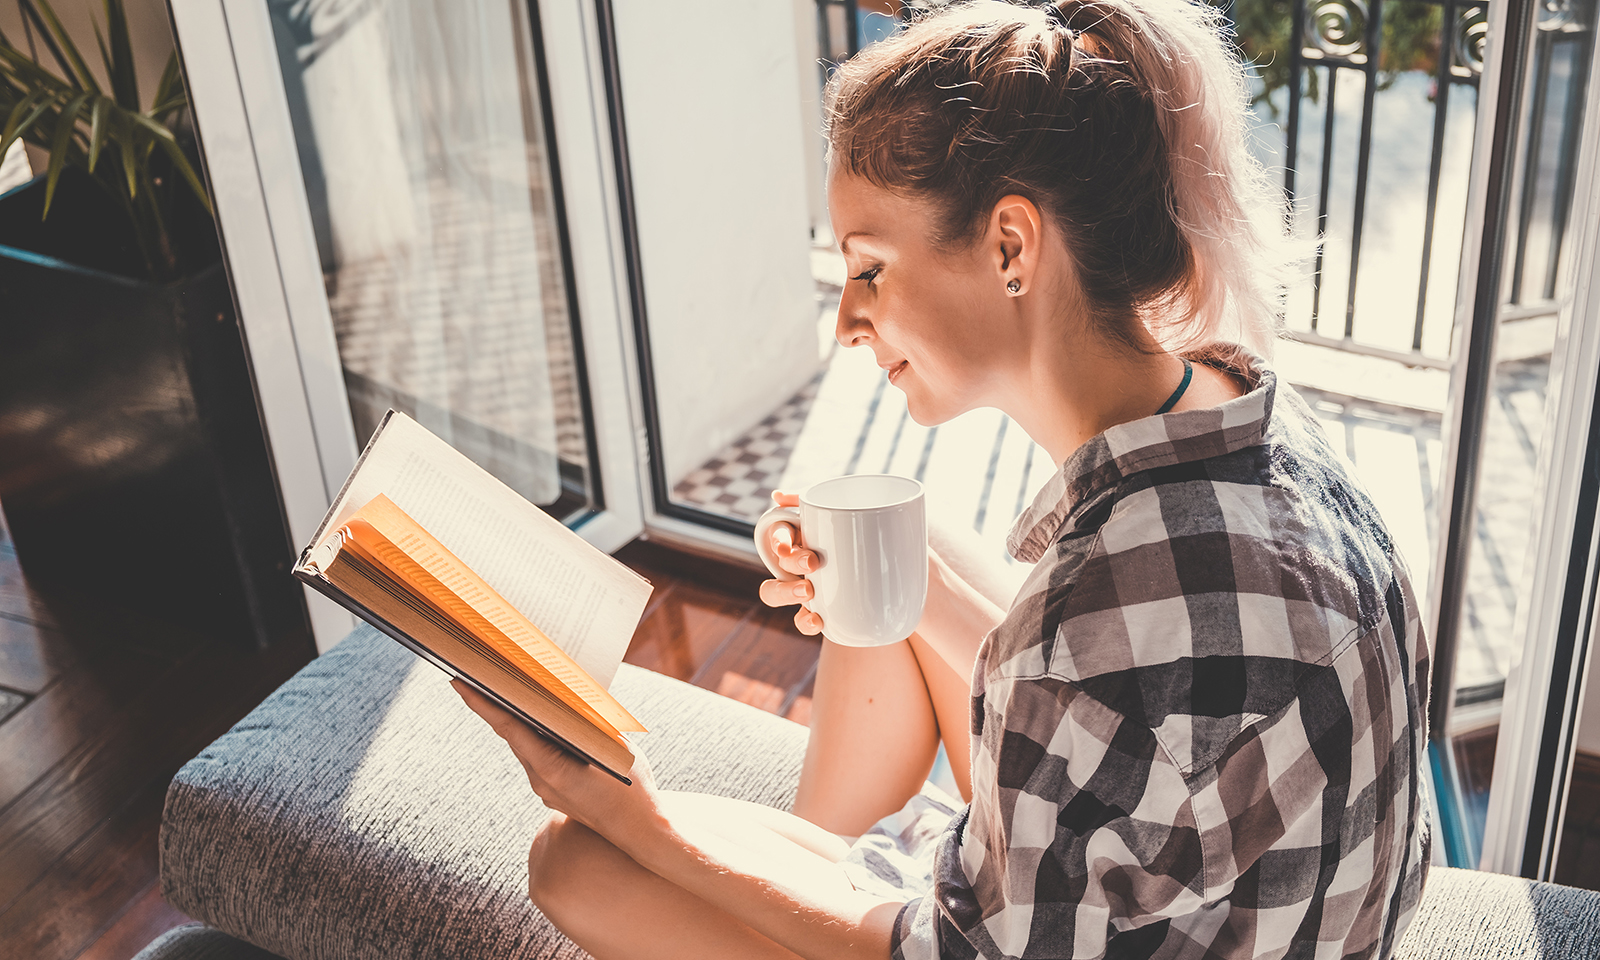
point(794, 559)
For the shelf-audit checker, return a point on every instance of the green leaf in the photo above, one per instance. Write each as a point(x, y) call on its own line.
point(65, 126)
point(154, 127)
point(31, 14)
point(171, 79)
point(97, 129)
point(119, 66)
point(130, 163)
point(105, 55)
point(84, 80)
point(160, 110)
point(181, 163)
point(43, 107)
point(28, 72)
point(14, 121)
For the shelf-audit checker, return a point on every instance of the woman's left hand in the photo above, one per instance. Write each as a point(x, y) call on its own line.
point(566, 784)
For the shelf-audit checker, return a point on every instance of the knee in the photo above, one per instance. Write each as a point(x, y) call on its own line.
point(555, 865)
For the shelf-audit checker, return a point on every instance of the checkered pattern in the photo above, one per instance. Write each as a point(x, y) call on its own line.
point(1198, 731)
point(739, 480)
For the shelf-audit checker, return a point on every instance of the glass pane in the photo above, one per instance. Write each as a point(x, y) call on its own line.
point(421, 131)
point(1535, 246)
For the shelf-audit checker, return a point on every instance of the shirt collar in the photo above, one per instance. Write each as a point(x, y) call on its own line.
point(1157, 441)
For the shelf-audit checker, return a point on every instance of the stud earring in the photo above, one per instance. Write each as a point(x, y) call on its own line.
point(1014, 287)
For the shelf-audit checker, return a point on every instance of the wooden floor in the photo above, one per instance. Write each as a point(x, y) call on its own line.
point(705, 625)
point(100, 706)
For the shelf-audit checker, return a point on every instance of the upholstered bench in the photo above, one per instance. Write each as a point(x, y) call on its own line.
point(362, 812)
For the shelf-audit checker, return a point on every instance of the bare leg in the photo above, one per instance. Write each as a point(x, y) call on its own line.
point(614, 908)
point(951, 694)
point(876, 721)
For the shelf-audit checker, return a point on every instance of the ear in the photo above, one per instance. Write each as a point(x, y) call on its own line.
point(1016, 233)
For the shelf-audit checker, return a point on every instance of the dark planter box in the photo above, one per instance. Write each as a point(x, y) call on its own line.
point(132, 461)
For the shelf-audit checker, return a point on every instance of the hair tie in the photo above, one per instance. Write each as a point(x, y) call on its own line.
point(1058, 19)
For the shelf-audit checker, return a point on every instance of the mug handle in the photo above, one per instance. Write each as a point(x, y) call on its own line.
point(763, 543)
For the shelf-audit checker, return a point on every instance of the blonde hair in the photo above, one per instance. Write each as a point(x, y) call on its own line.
point(1124, 120)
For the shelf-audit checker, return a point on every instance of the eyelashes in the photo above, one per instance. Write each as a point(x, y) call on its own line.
point(868, 275)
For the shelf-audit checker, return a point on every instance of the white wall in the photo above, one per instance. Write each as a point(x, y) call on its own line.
point(712, 96)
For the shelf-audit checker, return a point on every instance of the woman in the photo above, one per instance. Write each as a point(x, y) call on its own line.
point(1196, 732)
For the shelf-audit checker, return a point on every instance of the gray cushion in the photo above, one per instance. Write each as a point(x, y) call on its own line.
point(1468, 915)
point(194, 941)
point(363, 812)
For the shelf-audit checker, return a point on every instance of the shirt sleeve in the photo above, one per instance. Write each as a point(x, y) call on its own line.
point(1083, 831)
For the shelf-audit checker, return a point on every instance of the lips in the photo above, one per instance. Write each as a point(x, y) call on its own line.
point(895, 369)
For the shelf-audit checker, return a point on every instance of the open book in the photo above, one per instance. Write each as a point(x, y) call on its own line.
point(434, 551)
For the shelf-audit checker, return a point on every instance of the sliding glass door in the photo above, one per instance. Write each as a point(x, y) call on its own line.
point(391, 189)
point(420, 129)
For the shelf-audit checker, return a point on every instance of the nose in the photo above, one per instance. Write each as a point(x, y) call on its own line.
point(852, 328)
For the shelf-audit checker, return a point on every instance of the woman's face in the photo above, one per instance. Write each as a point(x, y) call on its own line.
point(935, 320)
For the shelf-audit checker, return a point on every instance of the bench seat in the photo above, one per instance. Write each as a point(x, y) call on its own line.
point(363, 813)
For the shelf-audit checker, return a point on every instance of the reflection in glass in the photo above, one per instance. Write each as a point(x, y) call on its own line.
point(421, 135)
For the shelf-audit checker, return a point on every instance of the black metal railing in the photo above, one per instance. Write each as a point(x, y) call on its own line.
point(1312, 47)
point(1344, 36)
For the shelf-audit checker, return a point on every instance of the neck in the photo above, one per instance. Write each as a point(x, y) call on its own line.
point(1070, 388)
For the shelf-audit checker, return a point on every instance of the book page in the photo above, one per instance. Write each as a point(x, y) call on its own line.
point(430, 569)
point(585, 601)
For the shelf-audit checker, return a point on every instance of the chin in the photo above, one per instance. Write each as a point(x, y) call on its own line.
point(928, 414)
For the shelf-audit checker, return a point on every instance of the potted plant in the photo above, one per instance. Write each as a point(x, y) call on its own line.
point(132, 460)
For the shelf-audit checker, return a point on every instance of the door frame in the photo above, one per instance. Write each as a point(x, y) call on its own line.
point(1557, 622)
point(241, 111)
point(1555, 619)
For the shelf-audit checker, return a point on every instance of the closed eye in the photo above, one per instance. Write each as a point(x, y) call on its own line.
point(868, 275)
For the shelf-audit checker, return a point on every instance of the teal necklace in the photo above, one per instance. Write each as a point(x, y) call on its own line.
point(1172, 401)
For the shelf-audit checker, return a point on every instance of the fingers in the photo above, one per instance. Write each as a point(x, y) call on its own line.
point(807, 622)
point(782, 593)
point(493, 714)
point(792, 556)
point(525, 742)
point(793, 559)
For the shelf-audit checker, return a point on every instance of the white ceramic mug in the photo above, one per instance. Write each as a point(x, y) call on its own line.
point(870, 535)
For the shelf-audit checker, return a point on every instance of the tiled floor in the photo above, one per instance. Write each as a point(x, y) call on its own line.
point(465, 319)
point(980, 468)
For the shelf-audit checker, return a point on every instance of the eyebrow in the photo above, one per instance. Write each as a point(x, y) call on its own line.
point(844, 241)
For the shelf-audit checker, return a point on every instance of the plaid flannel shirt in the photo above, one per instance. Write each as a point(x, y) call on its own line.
point(1198, 731)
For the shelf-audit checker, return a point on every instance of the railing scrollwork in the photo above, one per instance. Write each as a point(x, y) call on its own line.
point(1337, 28)
point(1470, 40)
